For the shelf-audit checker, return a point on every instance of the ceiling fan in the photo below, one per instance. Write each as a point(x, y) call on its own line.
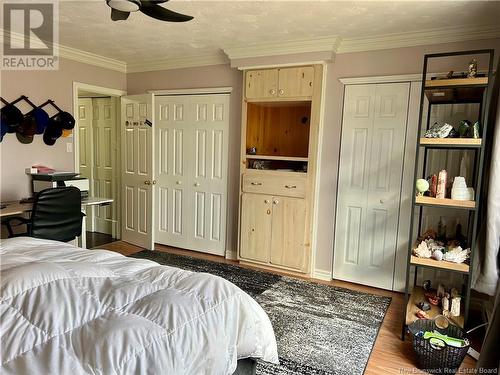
point(121, 9)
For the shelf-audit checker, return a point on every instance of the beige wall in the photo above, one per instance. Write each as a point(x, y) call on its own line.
point(202, 77)
point(40, 86)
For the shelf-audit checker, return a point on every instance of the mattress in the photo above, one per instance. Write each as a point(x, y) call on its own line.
point(67, 310)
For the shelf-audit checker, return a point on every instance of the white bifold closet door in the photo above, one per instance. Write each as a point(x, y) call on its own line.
point(191, 162)
point(370, 177)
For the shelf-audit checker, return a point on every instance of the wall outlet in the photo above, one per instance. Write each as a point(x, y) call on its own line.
point(30, 170)
point(69, 147)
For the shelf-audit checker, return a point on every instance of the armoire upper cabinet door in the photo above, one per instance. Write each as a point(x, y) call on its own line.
point(296, 81)
point(261, 84)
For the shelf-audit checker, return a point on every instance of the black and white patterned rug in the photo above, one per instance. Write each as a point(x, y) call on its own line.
point(320, 329)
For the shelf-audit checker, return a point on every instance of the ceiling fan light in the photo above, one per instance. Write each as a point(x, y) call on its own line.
point(125, 5)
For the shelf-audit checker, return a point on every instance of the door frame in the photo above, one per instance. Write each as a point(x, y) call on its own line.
point(408, 169)
point(229, 194)
point(113, 93)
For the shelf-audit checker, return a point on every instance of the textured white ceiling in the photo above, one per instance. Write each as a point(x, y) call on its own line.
point(86, 25)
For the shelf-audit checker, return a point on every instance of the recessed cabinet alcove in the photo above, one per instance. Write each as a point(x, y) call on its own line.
point(281, 109)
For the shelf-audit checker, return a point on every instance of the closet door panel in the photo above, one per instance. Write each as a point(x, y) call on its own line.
point(172, 135)
point(371, 162)
point(357, 129)
point(385, 177)
point(192, 148)
point(209, 178)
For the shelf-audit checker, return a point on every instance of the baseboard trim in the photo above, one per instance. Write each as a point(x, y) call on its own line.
point(231, 255)
point(322, 275)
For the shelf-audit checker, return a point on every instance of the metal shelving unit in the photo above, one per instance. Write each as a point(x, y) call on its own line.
point(439, 92)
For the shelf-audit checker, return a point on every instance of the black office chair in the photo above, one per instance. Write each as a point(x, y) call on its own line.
point(56, 215)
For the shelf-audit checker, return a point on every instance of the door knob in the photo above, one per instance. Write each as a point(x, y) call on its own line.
point(178, 182)
point(154, 182)
point(147, 182)
point(281, 91)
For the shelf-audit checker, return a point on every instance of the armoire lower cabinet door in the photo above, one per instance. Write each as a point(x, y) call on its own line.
point(255, 233)
point(288, 233)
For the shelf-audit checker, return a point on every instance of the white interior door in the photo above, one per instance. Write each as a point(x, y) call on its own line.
point(192, 144)
point(137, 169)
point(370, 176)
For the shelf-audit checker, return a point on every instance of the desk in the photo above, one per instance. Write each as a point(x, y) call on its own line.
point(16, 208)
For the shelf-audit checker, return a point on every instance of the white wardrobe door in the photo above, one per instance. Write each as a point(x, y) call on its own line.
point(371, 161)
point(192, 152)
point(172, 162)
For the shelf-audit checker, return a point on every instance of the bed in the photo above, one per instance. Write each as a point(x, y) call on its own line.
point(66, 310)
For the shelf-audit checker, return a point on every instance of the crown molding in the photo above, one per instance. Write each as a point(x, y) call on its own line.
point(177, 63)
point(418, 38)
point(75, 54)
point(326, 44)
point(92, 59)
point(381, 79)
point(200, 91)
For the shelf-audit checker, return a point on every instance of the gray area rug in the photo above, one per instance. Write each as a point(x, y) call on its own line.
point(320, 329)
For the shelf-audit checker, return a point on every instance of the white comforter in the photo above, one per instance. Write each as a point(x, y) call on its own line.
point(65, 310)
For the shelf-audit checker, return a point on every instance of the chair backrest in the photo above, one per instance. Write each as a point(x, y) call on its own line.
point(57, 214)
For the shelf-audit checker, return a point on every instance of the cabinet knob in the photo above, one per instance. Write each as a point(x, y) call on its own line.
point(276, 201)
point(382, 201)
point(147, 182)
point(178, 182)
point(266, 201)
point(291, 186)
point(268, 211)
point(196, 184)
point(272, 91)
point(154, 182)
point(281, 91)
point(256, 183)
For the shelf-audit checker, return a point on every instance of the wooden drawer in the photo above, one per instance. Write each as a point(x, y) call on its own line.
point(289, 186)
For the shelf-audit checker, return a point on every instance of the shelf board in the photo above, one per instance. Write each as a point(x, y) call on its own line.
point(269, 157)
point(450, 142)
point(417, 295)
point(452, 203)
point(456, 82)
point(443, 264)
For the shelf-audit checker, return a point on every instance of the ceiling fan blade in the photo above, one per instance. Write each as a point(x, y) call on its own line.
point(162, 14)
point(118, 15)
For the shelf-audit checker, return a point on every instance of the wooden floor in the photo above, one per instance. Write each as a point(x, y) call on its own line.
point(390, 355)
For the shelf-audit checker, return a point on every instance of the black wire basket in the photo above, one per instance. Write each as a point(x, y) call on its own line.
point(442, 359)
